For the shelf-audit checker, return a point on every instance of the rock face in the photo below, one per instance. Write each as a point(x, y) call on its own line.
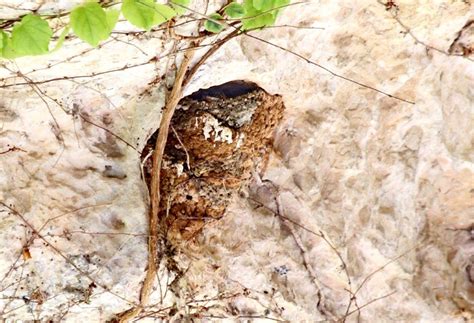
point(387, 184)
point(463, 43)
point(218, 137)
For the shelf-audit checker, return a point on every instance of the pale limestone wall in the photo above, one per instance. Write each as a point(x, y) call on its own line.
point(378, 177)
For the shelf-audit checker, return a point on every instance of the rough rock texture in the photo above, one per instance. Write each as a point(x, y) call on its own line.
point(389, 184)
point(463, 44)
point(218, 137)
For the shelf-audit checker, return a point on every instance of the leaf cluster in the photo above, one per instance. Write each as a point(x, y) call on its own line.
point(93, 23)
point(253, 14)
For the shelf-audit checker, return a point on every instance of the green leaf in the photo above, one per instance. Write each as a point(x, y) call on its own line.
point(7, 47)
point(163, 13)
point(259, 4)
point(235, 10)
point(249, 9)
point(89, 22)
point(268, 5)
point(31, 36)
point(7, 50)
point(3, 38)
point(212, 26)
point(140, 13)
point(267, 19)
point(145, 13)
point(112, 18)
point(180, 10)
point(279, 4)
point(61, 38)
point(261, 13)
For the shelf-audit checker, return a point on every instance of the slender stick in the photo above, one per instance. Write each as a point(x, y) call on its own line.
point(183, 77)
point(157, 157)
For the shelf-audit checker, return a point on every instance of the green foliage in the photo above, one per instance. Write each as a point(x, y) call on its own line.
point(212, 25)
point(258, 4)
point(89, 23)
point(3, 37)
point(179, 5)
point(261, 13)
point(278, 4)
point(7, 47)
point(93, 24)
point(139, 13)
point(146, 13)
point(61, 38)
point(31, 36)
point(163, 13)
point(112, 18)
point(235, 10)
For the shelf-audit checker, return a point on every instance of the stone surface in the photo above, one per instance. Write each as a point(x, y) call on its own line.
point(388, 183)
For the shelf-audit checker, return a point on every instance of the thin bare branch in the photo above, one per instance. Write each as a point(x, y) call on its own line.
point(61, 254)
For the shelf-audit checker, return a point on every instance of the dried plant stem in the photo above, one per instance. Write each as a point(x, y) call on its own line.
point(322, 301)
point(157, 157)
point(182, 79)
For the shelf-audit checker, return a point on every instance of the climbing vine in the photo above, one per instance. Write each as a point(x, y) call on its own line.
point(93, 22)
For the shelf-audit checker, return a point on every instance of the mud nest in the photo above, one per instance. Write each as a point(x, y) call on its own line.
point(218, 137)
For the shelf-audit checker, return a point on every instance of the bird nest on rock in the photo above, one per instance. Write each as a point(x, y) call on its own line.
point(218, 137)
